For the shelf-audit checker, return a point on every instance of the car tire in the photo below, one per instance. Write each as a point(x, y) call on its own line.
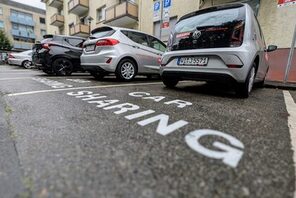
point(126, 70)
point(243, 90)
point(62, 67)
point(27, 64)
point(170, 83)
point(98, 76)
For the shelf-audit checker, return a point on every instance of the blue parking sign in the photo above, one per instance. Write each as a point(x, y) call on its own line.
point(157, 6)
point(167, 3)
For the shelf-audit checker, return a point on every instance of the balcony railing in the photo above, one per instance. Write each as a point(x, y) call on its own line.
point(22, 45)
point(122, 14)
point(78, 7)
point(57, 20)
point(23, 34)
point(56, 3)
point(22, 21)
point(80, 30)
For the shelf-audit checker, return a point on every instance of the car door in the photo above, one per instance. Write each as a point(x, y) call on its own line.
point(145, 54)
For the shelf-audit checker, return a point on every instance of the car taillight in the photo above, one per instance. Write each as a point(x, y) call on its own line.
point(10, 56)
point(159, 60)
point(46, 46)
point(107, 42)
point(237, 35)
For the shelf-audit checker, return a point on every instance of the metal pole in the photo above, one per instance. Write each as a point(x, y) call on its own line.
point(290, 56)
point(161, 19)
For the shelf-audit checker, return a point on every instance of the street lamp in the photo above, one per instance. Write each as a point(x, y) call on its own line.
point(90, 19)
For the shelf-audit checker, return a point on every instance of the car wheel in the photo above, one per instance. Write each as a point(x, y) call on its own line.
point(27, 64)
point(244, 89)
point(62, 67)
point(170, 83)
point(98, 76)
point(126, 70)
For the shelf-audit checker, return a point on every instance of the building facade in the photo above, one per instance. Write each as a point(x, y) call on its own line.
point(23, 24)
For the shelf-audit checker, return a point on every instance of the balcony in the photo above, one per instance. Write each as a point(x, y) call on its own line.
point(23, 21)
point(122, 15)
point(56, 3)
point(80, 30)
point(23, 34)
point(57, 20)
point(78, 7)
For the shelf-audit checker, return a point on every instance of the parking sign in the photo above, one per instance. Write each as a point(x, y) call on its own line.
point(156, 11)
point(167, 3)
point(156, 5)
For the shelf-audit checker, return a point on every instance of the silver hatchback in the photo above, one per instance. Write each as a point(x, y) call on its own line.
point(222, 43)
point(124, 52)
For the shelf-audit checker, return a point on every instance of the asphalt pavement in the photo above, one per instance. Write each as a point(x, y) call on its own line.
point(78, 137)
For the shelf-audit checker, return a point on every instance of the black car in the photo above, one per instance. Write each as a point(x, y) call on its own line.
point(57, 54)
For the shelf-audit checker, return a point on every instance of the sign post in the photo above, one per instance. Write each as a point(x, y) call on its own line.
point(162, 7)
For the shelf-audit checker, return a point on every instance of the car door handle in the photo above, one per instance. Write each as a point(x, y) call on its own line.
point(136, 47)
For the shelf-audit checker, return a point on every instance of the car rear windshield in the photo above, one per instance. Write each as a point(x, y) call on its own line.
point(102, 32)
point(215, 29)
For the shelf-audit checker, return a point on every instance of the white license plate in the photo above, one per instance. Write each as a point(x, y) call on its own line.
point(193, 61)
point(90, 48)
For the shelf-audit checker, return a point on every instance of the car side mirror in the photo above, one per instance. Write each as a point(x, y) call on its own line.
point(271, 48)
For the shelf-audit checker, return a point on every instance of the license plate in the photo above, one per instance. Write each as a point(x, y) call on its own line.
point(90, 48)
point(193, 61)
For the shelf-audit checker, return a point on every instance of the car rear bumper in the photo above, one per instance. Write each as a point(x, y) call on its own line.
point(199, 76)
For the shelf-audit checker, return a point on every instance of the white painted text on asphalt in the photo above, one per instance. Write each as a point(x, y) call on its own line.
point(52, 83)
point(230, 155)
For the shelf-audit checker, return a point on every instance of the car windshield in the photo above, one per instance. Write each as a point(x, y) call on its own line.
point(223, 28)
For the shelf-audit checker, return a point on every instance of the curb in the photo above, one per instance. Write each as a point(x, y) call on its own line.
point(280, 85)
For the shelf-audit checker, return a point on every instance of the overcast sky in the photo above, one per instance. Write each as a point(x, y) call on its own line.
point(35, 3)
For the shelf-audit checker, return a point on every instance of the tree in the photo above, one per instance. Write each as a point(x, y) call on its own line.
point(4, 42)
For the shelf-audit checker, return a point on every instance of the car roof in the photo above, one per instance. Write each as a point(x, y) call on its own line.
point(213, 9)
point(121, 28)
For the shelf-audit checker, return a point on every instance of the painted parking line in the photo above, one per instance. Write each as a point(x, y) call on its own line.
point(291, 109)
point(77, 88)
point(20, 78)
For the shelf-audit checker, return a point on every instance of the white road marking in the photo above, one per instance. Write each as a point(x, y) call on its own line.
point(20, 78)
point(77, 88)
point(19, 73)
point(291, 109)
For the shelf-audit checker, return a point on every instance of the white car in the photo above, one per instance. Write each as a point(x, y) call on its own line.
point(23, 59)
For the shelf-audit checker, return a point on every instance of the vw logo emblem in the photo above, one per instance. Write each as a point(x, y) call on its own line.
point(196, 34)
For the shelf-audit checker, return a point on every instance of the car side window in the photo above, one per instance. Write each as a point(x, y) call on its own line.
point(137, 37)
point(75, 42)
point(156, 44)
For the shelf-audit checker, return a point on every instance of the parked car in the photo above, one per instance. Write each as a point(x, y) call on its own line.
point(23, 59)
point(122, 51)
point(58, 54)
point(222, 43)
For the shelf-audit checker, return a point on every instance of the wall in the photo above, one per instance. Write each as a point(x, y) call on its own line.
point(277, 23)
point(178, 9)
